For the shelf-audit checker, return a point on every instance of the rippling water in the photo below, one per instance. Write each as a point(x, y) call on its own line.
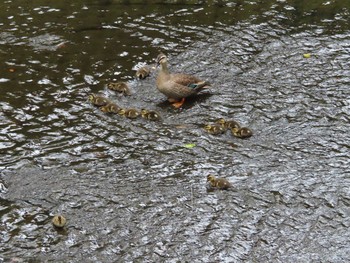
point(131, 190)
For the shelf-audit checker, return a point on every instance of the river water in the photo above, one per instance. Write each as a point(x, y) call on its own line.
point(135, 190)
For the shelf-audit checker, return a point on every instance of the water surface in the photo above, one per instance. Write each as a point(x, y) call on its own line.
point(131, 190)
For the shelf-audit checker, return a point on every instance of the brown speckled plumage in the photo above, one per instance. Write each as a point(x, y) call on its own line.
point(121, 87)
point(177, 86)
point(98, 100)
point(219, 183)
point(243, 132)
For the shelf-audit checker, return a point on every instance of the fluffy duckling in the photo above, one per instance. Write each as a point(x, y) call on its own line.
point(150, 115)
point(129, 113)
point(59, 221)
point(219, 183)
point(228, 124)
point(98, 100)
point(143, 72)
point(177, 87)
point(214, 129)
point(243, 132)
point(121, 87)
point(110, 108)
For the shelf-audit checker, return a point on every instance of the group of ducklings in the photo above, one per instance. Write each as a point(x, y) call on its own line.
point(221, 126)
point(123, 88)
point(107, 106)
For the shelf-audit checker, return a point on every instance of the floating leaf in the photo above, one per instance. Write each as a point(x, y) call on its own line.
point(307, 55)
point(189, 145)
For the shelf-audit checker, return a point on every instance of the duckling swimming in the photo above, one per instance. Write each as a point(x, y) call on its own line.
point(143, 72)
point(59, 221)
point(219, 183)
point(214, 129)
point(150, 115)
point(98, 100)
point(121, 87)
point(243, 132)
point(228, 124)
point(110, 108)
point(129, 113)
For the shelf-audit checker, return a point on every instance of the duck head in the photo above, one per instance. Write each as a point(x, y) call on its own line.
point(144, 112)
point(221, 121)
point(161, 58)
point(92, 97)
point(211, 178)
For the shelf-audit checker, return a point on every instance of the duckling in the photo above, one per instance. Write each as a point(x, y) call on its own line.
point(243, 132)
point(219, 183)
point(110, 108)
point(129, 113)
point(228, 124)
point(59, 221)
point(121, 87)
point(150, 115)
point(143, 72)
point(214, 129)
point(177, 87)
point(98, 100)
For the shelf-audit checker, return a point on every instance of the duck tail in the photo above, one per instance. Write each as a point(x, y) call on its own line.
point(199, 85)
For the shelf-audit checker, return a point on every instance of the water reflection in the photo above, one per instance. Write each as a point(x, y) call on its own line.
point(131, 189)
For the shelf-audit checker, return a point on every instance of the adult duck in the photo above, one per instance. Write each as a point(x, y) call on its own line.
point(177, 87)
